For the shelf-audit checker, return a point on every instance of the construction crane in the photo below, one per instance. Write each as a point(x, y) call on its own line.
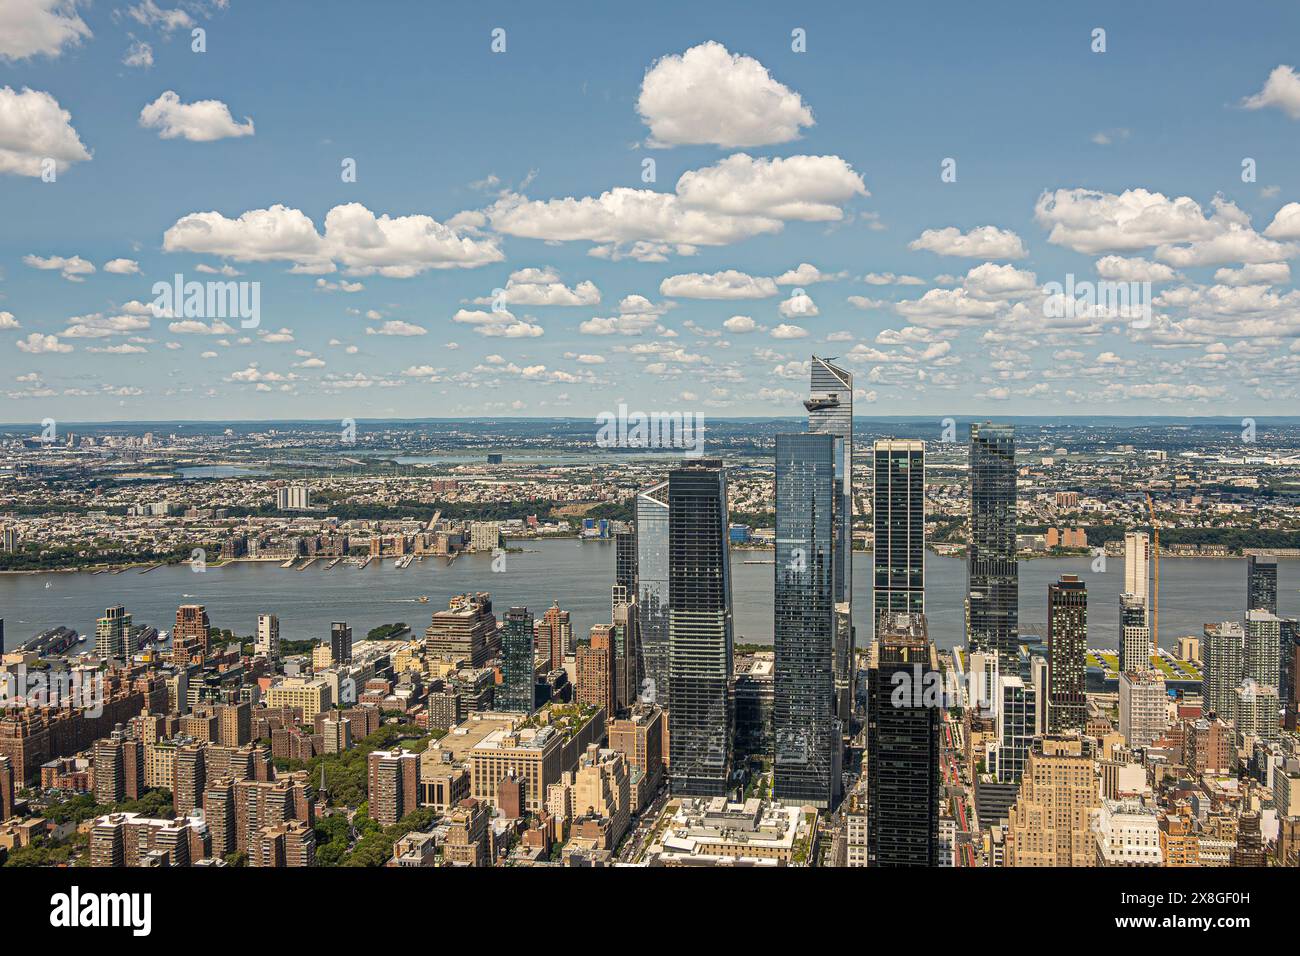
point(1155, 585)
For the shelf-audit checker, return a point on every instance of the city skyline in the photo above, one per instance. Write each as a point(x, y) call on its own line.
point(444, 439)
point(376, 295)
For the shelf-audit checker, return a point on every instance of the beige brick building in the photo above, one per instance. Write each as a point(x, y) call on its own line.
point(1049, 822)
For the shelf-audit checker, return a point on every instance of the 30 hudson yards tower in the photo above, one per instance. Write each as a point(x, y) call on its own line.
point(899, 523)
point(805, 729)
point(700, 702)
point(830, 412)
point(993, 592)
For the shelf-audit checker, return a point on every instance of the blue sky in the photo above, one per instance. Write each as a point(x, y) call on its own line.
point(1124, 164)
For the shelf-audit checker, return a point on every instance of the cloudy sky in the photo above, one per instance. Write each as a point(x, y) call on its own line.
point(544, 211)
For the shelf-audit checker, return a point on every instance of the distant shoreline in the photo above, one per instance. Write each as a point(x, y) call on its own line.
point(758, 549)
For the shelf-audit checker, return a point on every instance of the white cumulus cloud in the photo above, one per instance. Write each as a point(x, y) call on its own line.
point(199, 122)
point(71, 268)
point(728, 284)
point(810, 188)
point(397, 247)
point(37, 344)
point(39, 27)
point(34, 128)
point(543, 287)
point(709, 95)
point(498, 324)
point(1281, 89)
point(982, 242)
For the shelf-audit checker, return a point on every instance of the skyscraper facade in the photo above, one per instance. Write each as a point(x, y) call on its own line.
point(1262, 650)
point(113, 635)
point(700, 701)
point(268, 636)
point(190, 635)
point(1017, 723)
point(830, 412)
point(1048, 825)
point(554, 636)
point(340, 642)
point(466, 630)
point(992, 581)
point(1134, 634)
point(594, 664)
point(1137, 566)
point(1289, 644)
point(898, 560)
point(1261, 582)
point(1067, 645)
point(652, 592)
point(1222, 648)
point(517, 690)
point(625, 560)
point(627, 679)
point(902, 745)
point(804, 725)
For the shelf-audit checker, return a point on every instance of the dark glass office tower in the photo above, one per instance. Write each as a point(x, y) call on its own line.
point(1261, 583)
point(517, 691)
point(830, 412)
point(805, 730)
point(899, 520)
point(1288, 638)
point(902, 745)
point(700, 700)
point(624, 618)
point(1067, 646)
point(992, 583)
point(625, 561)
point(627, 679)
point(340, 643)
point(652, 593)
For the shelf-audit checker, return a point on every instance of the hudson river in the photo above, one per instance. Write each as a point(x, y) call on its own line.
point(578, 575)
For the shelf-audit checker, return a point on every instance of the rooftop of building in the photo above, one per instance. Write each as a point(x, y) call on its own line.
point(468, 734)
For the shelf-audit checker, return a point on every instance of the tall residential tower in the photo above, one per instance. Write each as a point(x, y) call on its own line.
point(992, 582)
point(898, 517)
point(1067, 647)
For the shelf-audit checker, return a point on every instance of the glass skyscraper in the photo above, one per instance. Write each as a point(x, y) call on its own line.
point(652, 593)
point(830, 412)
point(1261, 583)
point(898, 560)
point(805, 729)
point(623, 614)
point(992, 587)
point(625, 561)
point(700, 702)
point(902, 745)
point(517, 692)
point(1067, 647)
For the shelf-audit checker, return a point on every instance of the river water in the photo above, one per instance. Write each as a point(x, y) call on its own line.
point(578, 575)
